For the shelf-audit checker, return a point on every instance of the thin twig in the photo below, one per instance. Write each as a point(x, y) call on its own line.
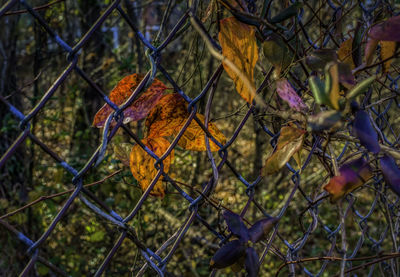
point(42, 198)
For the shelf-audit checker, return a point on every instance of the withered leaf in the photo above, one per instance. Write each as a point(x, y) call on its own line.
point(388, 49)
point(387, 30)
point(287, 13)
point(139, 108)
point(288, 94)
point(289, 142)
point(142, 164)
point(369, 51)
point(169, 116)
point(239, 45)
point(332, 84)
point(352, 175)
point(318, 59)
point(345, 52)
point(277, 53)
point(122, 152)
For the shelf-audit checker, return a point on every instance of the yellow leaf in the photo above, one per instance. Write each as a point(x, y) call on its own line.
point(290, 142)
point(345, 52)
point(239, 45)
point(168, 117)
point(142, 164)
point(193, 137)
point(297, 158)
point(332, 85)
point(388, 48)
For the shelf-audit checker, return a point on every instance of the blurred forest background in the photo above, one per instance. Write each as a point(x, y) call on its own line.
point(30, 61)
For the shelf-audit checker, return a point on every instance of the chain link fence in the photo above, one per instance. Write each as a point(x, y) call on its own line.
point(374, 219)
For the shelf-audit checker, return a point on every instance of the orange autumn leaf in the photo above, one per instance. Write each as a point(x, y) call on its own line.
point(193, 137)
point(345, 52)
point(239, 45)
point(142, 164)
point(351, 176)
point(289, 143)
point(388, 49)
point(139, 108)
point(169, 116)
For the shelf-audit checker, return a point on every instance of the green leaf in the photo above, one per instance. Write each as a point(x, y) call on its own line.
point(287, 13)
point(324, 120)
point(277, 53)
point(318, 89)
point(356, 45)
point(327, 93)
point(360, 87)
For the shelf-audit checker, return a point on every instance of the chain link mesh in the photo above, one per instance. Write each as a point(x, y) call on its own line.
point(373, 238)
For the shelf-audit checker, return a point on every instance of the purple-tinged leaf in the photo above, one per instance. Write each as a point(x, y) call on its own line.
point(345, 75)
point(288, 94)
point(364, 131)
point(261, 228)
point(387, 30)
point(228, 254)
point(236, 225)
point(352, 175)
point(391, 173)
point(251, 264)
